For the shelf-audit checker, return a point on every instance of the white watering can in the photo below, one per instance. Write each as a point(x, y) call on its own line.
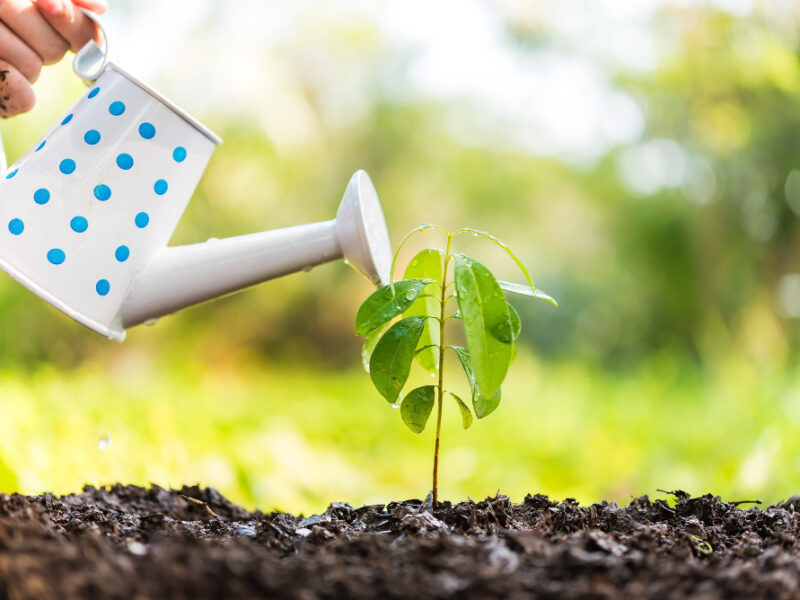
point(86, 214)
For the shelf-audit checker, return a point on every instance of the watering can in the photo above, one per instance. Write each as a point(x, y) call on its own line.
point(86, 214)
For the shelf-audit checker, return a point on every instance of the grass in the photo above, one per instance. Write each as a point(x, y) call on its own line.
point(286, 438)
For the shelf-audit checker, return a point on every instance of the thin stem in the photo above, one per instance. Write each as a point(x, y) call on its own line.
point(503, 245)
point(425, 347)
point(440, 397)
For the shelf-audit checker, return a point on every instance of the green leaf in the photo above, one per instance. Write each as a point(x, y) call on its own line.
point(487, 323)
point(386, 303)
point(516, 324)
point(419, 228)
point(427, 265)
point(417, 407)
point(369, 347)
point(390, 363)
point(482, 405)
point(466, 415)
point(524, 290)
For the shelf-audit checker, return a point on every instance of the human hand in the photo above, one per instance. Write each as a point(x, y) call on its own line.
point(34, 33)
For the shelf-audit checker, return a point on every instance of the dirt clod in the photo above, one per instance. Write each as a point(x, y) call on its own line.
point(127, 541)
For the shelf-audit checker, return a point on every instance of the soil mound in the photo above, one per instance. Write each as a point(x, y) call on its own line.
point(130, 542)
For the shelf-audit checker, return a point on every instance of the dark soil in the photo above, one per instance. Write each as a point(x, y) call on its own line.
point(129, 542)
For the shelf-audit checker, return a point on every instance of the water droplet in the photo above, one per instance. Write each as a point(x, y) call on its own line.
point(347, 262)
point(411, 294)
point(432, 375)
point(103, 442)
point(474, 235)
point(136, 548)
point(394, 405)
point(151, 322)
point(307, 269)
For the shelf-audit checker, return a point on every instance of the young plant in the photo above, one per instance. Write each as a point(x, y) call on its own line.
point(421, 298)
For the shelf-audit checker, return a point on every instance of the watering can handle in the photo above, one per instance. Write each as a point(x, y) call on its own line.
point(90, 60)
point(88, 64)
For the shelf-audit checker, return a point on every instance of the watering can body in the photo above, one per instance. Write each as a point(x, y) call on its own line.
point(87, 212)
point(96, 199)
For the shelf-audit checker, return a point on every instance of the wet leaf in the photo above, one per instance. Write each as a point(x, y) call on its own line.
point(516, 324)
point(387, 302)
point(369, 347)
point(417, 406)
point(525, 290)
point(391, 360)
point(466, 415)
point(427, 265)
point(482, 405)
point(487, 323)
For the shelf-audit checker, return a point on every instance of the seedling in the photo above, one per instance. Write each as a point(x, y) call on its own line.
point(490, 325)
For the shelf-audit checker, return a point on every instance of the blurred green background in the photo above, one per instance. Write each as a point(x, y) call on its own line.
point(641, 157)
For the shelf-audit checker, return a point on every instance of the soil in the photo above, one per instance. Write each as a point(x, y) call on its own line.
point(130, 542)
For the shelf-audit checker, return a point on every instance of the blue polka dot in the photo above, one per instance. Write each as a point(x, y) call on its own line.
point(94, 92)
point(116, 108)
point(92, 137)
point(102, 192)
point(147, 131)
point(142, 219)
point(56, 256)
point(16, 226)
point(41, 196)
point(67, 119)
point(122, 253)
point(103, 287)
point(10, 175)
point(125, 161)
point(179, 154)
point(79, 224)
point(41, 146)
point(67, 166)
point(161, 187)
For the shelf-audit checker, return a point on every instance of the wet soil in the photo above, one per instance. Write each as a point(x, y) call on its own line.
point(130, 542)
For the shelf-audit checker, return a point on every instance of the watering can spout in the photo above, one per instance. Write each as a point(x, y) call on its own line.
point(185, 275)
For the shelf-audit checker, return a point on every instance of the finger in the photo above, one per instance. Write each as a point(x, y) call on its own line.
point(70, 23)
point(16, 52)
point(98, 6)
point(31, 27)
point(16, 93)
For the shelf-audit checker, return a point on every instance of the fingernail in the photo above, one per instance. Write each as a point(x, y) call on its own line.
point(51, 6)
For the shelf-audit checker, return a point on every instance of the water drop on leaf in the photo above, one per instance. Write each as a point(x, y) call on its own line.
point(103, 442)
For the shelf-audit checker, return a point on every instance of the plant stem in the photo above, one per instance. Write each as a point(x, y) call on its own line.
point(440, 396)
